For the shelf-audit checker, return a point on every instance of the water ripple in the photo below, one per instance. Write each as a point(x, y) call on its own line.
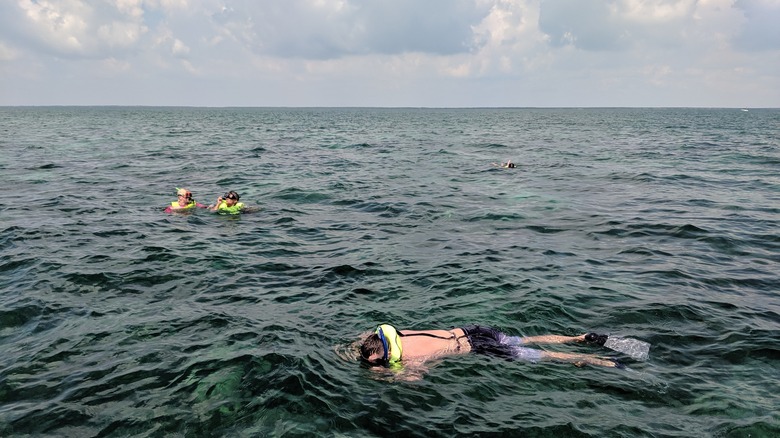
point(119, 320)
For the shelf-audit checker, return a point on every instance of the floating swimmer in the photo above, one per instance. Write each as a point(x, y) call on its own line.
point(228, 204)
point(388, 347)
point(508, 165)
point(184, 202)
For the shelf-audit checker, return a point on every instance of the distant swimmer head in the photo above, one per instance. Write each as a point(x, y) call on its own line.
point(184, 193)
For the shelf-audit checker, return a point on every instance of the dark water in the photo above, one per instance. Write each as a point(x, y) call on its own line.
point(119, 320)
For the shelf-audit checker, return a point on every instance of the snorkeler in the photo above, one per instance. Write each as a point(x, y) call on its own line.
point(228, 204)
point(184, 202)
point(508, 165)
point(389, 347)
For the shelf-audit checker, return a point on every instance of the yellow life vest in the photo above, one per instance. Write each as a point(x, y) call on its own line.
point(391, 340)
point(223, 208)
point(175, 205)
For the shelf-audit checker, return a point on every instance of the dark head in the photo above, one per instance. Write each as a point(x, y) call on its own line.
point(231, 195)
point(372, 351)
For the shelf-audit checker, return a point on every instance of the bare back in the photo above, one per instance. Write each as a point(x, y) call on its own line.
point(431, 344)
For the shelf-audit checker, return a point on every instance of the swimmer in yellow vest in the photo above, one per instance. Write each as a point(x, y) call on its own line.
point(228, 204)
point(184, 202)
point(391, 348)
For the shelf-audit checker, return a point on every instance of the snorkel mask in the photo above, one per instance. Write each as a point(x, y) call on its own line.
point(184, 192)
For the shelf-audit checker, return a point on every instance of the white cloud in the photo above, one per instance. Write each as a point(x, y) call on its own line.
point(657, 74)
point(60, 25)
point(73, 28)
point(111, 66)
point(616, 25)
point(179, 48)
point(132, 8)
point(432, 52)
point(190, 68)
point(120, 34)
point(7, 53)
point(332, 29)
point(653, 12)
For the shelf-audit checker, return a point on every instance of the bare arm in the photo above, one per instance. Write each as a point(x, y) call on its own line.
point(581, 359)
point(215, 206)
point(409, 371)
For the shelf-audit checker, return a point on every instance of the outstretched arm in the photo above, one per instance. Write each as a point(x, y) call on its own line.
point(581, 359)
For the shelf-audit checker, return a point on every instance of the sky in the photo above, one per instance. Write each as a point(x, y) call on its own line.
point(391, 53)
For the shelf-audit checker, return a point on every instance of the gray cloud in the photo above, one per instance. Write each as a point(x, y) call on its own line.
point(581, 23)
point(597, 25)
point(762, 30)
point(71, 29)
point(297, 29)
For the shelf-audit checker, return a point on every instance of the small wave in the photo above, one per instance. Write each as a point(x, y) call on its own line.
point(686, 231)
point(19, 316)
point(348, 146)
point(507, 217)
point(48, 166)
point(299, 196)
point(545, 229)
point(493, 146)
point(385, 209)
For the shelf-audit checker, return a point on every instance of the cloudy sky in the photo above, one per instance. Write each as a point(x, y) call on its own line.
point(419, 53)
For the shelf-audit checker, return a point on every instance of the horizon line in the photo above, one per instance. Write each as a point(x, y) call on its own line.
point(373, 107)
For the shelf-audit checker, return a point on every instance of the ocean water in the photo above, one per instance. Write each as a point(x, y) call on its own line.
point(117, 319)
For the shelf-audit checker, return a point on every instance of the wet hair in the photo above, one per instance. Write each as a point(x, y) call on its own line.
point(232, 194)
point(371, 345)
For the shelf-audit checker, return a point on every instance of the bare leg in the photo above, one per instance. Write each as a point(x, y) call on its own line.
point(579, 359)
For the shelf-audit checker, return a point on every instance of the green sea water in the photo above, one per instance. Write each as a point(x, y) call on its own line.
point(117, 319)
